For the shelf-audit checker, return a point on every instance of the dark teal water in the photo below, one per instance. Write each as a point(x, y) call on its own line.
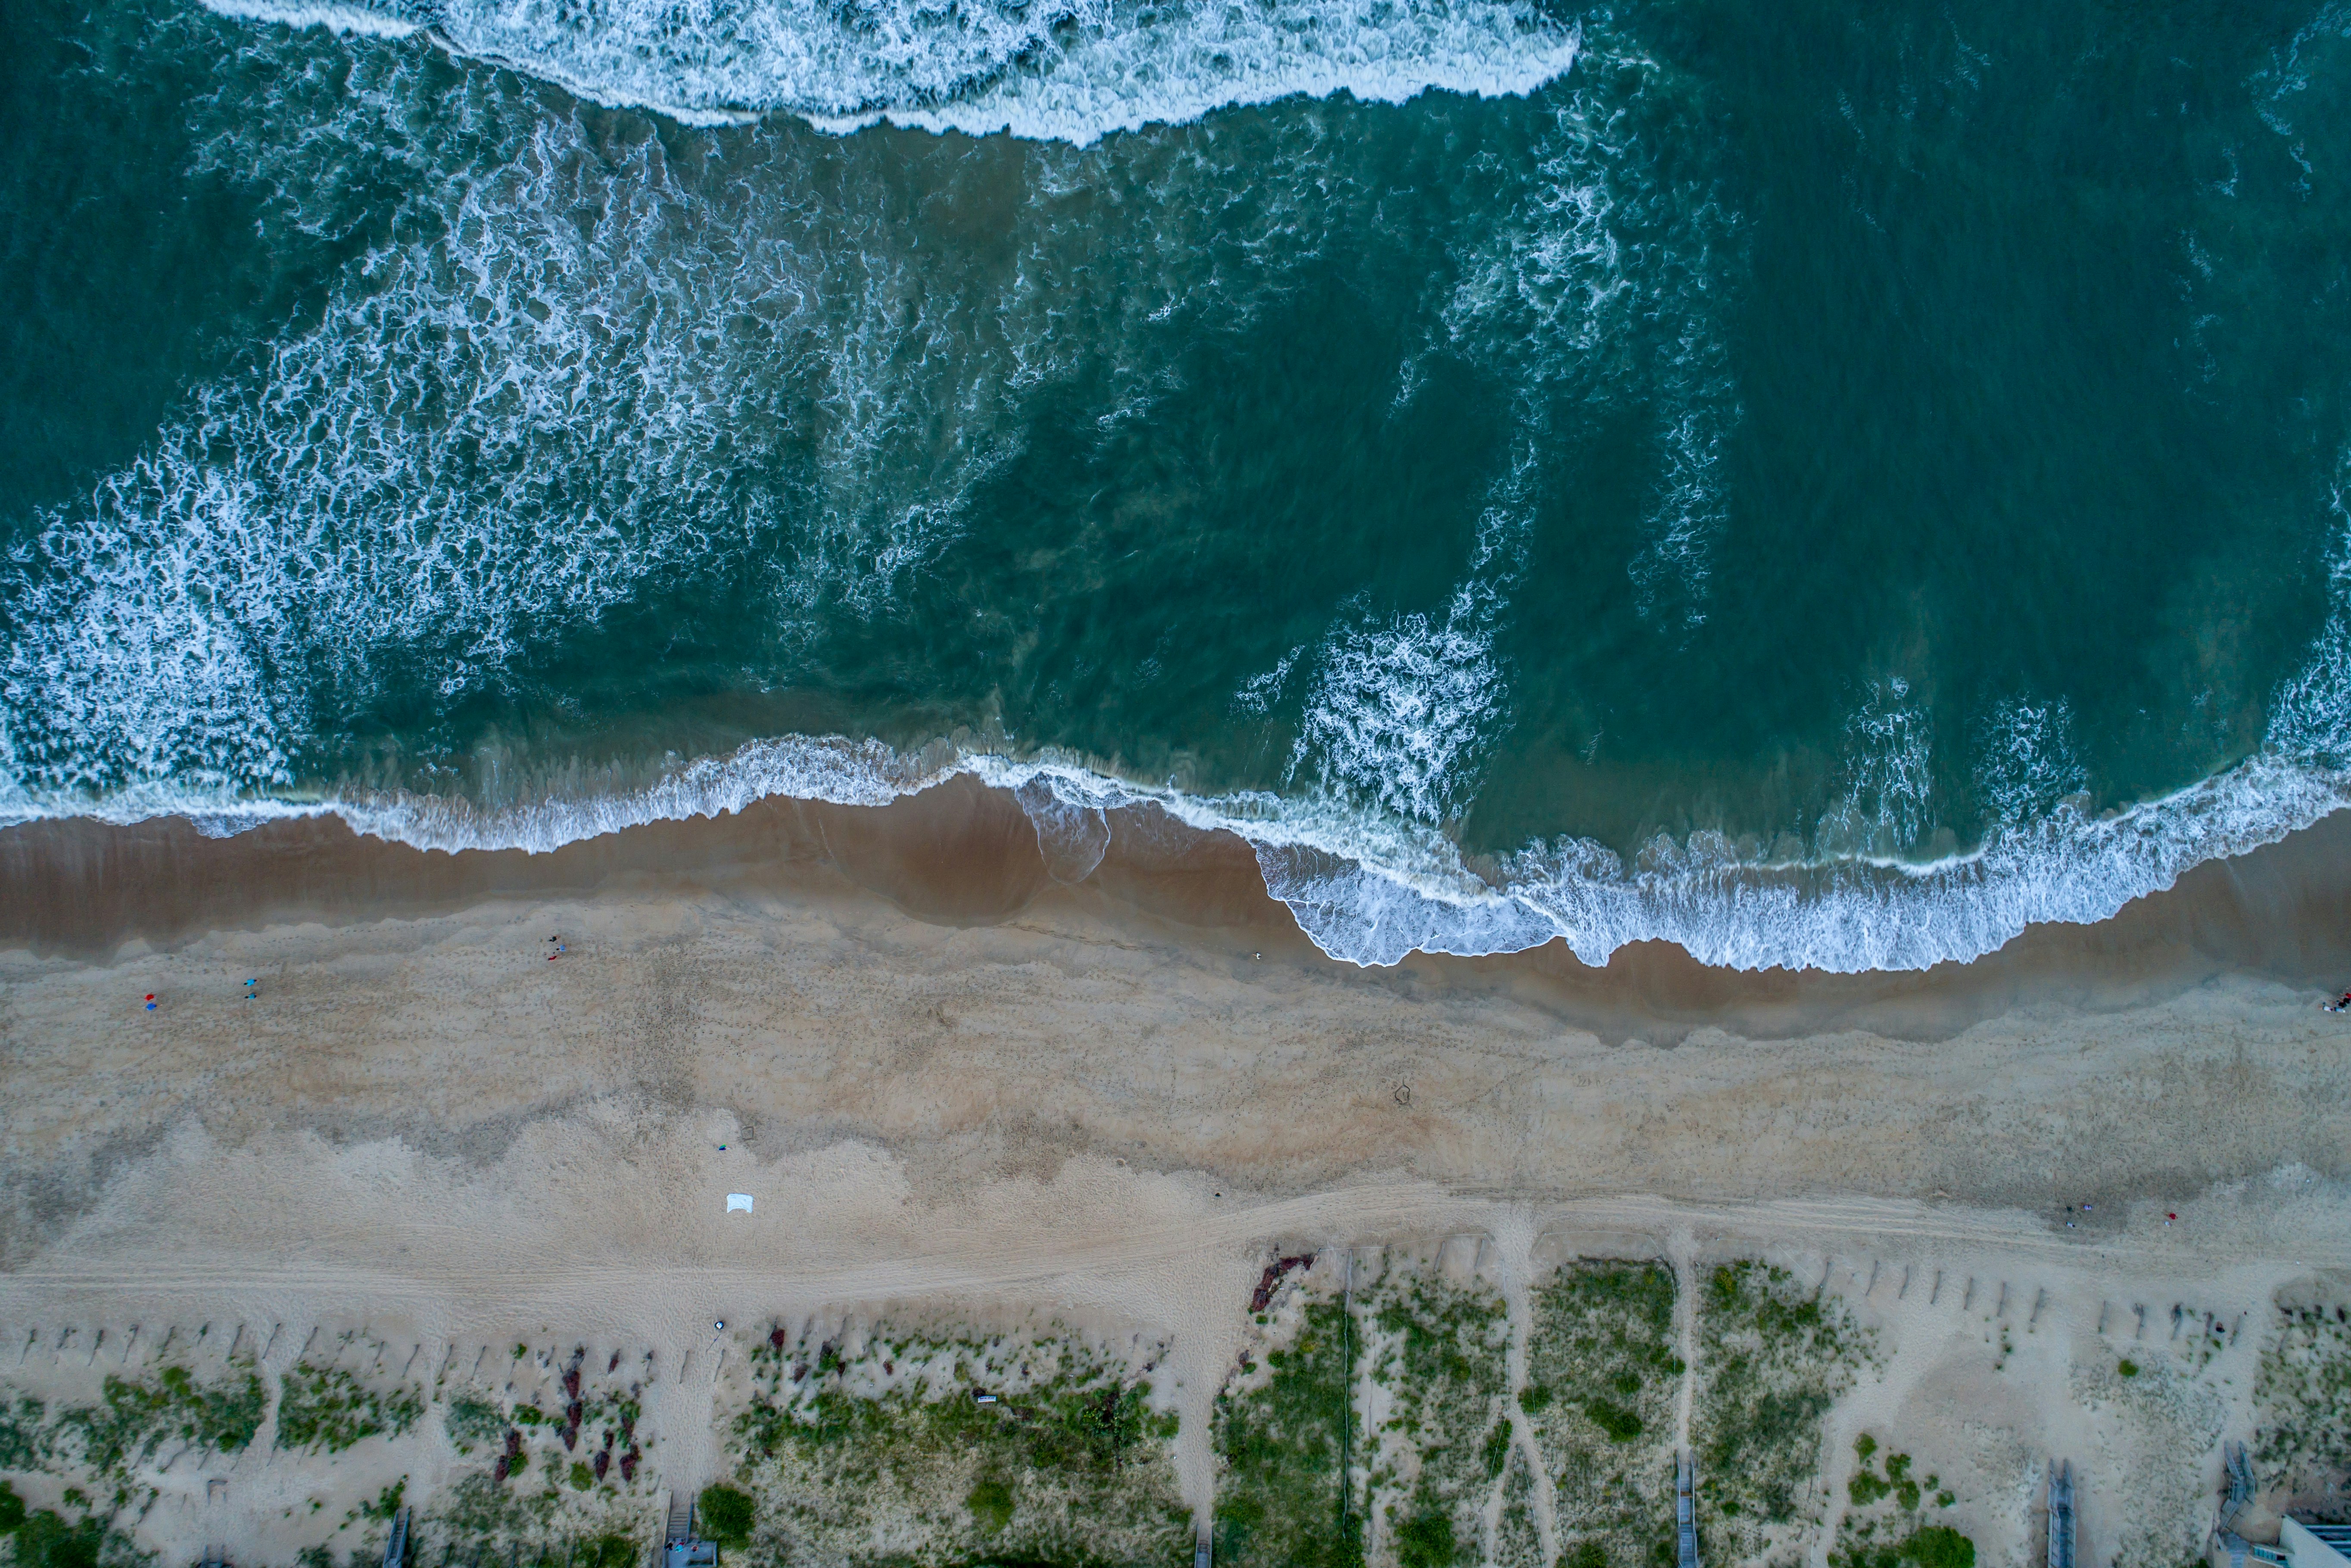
point(1822, 484)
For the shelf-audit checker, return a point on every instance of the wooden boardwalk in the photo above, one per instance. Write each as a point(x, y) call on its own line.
point(1686, 1509)
point(2061, 1514)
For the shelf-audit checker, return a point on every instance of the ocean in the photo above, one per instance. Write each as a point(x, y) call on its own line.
point(1826, 486)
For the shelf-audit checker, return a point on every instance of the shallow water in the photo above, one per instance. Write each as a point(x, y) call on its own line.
point(1821, 486)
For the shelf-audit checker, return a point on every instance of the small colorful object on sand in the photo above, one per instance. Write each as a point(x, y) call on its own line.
point(150, 1002)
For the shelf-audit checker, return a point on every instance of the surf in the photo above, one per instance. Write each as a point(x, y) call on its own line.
point(1058, 71)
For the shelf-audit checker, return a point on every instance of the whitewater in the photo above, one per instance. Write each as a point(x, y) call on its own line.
point(1370, 889)
point(567, 374)
point(1072, 73)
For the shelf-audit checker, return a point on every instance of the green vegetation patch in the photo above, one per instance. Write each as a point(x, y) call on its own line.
point(479, 1521)
point(136, 1415)
point(915, 1450)
point(22, 1441)
point(2303, 1388)
point(1285, 1445)
point(1772, 1358)
point(46, 1540)
point(1518, 1540)
point(1870, 1486)
point(1929, 1546)
point(326, 1407)
point(1440, 1352)
point(473, 1423)
point(1867, 1486)
point(726, 1515)
point(1602, 1378)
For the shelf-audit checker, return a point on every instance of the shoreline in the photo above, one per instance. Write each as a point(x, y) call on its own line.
point(962, 853)
point(911, 976)
point(1367, 888)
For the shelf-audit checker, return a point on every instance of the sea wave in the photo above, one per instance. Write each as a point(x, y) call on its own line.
point(1067, 70)
point(1370, 888)
point(178, 645)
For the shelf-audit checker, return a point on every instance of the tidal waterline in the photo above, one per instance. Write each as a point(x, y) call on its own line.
point(1776, 481)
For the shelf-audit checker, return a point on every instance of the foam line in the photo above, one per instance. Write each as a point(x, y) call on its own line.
point(1370, 890)
point(1071, 70)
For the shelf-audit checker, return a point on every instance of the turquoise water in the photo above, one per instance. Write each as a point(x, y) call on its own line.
point(1823, 485)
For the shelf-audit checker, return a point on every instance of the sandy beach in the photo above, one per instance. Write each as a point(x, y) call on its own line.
point(1148, 784)
point(953, 1086)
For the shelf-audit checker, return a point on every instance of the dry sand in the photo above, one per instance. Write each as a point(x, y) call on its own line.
point(986, 1093)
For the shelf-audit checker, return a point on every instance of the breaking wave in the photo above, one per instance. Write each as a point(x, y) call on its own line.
point(377, 493)
point(1068, 71)
point(1371, 885)
point(1370, 888)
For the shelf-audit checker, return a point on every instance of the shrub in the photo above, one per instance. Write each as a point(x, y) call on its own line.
point(137, 1417)
point(991, 1505)
point(327, 1407)
point(1285, 1498)
point(726, 1514)
point(1775, 1358)
point(1425, 1539)
point(472, 1421)
point(1621, 1424)
point(45, 1541)
point(1939, 1546)
point(1931, 1546)
point(607, 1552)
point(12, 1510)
point(20, 1434)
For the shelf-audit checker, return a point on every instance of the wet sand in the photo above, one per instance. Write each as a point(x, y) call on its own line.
point(963, 855)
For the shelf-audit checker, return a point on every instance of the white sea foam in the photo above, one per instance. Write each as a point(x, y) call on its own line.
point(384, 488)
point(1069, 70)
point(1371, 887)
point(1598, 278)
point(497, 431)
point(377, 492)
point(1403, 707)
point(1886, 797)
point(2028, 761)
point(1400, 709)
point(355, 19)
